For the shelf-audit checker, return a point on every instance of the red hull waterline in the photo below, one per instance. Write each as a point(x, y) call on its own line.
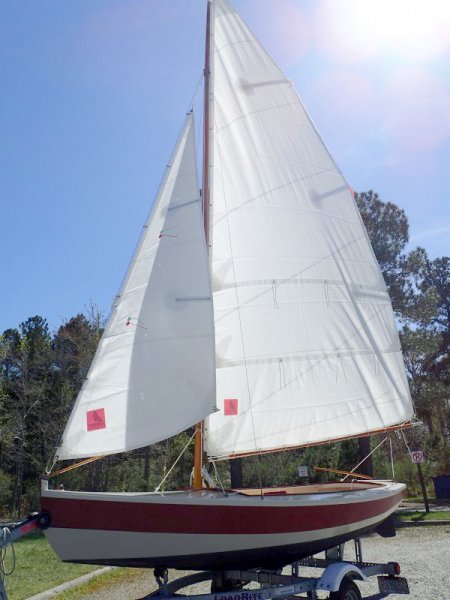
point(210, 530)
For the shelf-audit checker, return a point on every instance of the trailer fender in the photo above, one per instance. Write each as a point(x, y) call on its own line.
point(334, 574)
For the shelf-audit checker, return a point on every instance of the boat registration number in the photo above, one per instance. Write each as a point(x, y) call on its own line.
point(391, 584)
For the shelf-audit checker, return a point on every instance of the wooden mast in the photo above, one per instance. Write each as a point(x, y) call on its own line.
point(198, 439)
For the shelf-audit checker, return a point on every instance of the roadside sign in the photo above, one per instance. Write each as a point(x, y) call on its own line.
point(303, 471)
point(417, 456)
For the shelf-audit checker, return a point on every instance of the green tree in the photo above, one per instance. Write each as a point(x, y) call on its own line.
point(425, 341)
point(420, 292)
point(388, 231)
point(73, 348)
point(26, 369)
point(428, 304)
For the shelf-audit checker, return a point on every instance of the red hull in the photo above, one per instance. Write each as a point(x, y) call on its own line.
point(211, 530)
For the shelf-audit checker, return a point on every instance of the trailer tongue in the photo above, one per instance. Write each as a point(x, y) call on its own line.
point(8, 535)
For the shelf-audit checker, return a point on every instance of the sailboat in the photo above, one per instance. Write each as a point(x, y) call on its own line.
point(254, 310)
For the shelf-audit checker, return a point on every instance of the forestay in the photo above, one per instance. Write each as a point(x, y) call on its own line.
point(306, 344)
point(153, 374)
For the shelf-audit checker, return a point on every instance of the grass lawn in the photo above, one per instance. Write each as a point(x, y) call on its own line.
point(419, 515)
point(415, 499)
point(37, 568)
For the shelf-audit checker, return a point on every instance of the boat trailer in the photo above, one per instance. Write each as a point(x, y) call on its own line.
point(337, 579)
point(10, 534)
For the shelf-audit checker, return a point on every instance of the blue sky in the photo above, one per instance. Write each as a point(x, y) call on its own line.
point(94, 93)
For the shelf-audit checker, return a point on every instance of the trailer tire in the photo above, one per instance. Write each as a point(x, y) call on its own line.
point(347, 591)
point(219, 585)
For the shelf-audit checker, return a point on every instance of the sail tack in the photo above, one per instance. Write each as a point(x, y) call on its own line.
point(153, 374)
point(306, 344)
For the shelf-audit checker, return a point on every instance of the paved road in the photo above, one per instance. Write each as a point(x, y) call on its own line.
point(423, 553)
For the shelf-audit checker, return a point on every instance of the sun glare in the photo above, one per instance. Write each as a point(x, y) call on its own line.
point(355, 29)
point(416, 28)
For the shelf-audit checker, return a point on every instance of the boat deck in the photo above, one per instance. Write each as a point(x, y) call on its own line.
point(321, 488)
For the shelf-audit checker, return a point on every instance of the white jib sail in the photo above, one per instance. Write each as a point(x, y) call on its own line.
point(306, 343)
point(153, 374)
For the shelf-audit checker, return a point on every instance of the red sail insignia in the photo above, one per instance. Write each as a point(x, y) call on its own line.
point(230, 407)
point(96, 419)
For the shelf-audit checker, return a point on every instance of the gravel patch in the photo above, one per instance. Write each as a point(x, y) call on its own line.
point(423, 553)
point(424, 556)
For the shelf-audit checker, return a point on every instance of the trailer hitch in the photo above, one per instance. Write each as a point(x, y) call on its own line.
point(9, 534)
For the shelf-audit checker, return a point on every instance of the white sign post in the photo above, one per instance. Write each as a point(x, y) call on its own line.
point(417, 456)
point(303, 471)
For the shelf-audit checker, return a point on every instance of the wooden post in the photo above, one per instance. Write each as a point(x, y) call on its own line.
point(364, 450)
point(237, 479)
point(422, 485)
point(198, 457)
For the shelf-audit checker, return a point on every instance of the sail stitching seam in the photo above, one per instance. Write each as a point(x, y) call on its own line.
point(260, 111)
point(291, 208)
point(320, 360)
point(224, 363)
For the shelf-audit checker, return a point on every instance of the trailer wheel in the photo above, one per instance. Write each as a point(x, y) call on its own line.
point(219, 585)
point(347, 591)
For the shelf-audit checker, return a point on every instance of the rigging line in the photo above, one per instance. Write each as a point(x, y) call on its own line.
point(175, 463)
point(195, 96)
point(216, 472)
point(392, 458)
point(166, 454)
point(49, 469)
point(406, 443)
point(361, 461)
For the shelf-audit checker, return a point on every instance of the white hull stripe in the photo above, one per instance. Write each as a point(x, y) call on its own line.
point(92, 544)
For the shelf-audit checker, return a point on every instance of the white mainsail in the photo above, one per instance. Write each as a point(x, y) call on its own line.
point(154, 374)
point(306, 344)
